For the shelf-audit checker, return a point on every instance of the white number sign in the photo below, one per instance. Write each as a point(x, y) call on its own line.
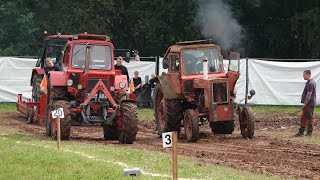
point(167, 139)
point(58, 112)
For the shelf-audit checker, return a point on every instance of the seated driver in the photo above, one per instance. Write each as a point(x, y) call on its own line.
point(48, 67)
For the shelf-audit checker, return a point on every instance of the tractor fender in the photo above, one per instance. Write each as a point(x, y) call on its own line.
point(58, 78)
point(167, 88)
point(34, 72)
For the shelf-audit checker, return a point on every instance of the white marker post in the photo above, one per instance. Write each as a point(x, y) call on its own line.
point(170, 139)
point(58, 113)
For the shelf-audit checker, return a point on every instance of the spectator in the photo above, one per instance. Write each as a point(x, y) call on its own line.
point(137, 83)
point(308, 98)
point(136, 55)
point(121, 67)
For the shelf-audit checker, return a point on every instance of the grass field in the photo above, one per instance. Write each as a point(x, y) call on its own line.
point(26, 156)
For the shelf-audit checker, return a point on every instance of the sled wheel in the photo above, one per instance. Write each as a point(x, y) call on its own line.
point(30, 113)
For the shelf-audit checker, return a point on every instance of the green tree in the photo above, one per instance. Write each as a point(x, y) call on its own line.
point(18, 30)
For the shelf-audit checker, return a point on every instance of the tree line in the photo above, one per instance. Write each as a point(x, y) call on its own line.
point(264, 28)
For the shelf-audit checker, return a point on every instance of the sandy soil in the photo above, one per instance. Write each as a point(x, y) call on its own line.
point(273, 150)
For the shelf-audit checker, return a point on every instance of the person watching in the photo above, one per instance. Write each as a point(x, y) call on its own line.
point(122, 68)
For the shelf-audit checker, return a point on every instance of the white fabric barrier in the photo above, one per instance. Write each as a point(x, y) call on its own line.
point(144, 68)
point(16, 73)
point(275, 83)
point(15, 78)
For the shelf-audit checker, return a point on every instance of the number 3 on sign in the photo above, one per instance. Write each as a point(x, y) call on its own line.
point(167, 139)
point(58, 112)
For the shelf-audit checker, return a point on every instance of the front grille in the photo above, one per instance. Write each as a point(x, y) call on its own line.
point(220, 92)
point(188, 86)
point(92, 82)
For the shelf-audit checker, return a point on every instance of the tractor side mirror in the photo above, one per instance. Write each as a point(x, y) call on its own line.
point(127, 57)
point(252, 93)
point(165, 63)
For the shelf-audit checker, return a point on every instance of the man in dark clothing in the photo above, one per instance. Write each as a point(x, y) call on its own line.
point(122, 68)
point(308, 99)
point(50, 66)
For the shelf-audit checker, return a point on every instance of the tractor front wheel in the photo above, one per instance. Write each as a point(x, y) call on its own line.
point(246, 122)
point(110, 132)
point(191, 125)
point(129, 121)
point(65, 123)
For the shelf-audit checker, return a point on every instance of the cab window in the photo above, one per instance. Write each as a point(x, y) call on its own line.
point(174, 62)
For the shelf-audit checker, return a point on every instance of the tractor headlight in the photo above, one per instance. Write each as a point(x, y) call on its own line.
point(69, 82)
point(122, 84)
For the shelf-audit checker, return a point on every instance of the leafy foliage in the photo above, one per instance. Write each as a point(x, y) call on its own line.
point(274, 29)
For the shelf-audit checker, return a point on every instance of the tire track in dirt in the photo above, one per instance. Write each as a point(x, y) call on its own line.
point(261, 154)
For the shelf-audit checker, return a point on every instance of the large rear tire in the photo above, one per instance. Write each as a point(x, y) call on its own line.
point(36, 91)
point(59, 93)
point(247, 122)
point(168, 113)
point(191, 125)
point(129, 121)
point(223, 127)
point(65, 123)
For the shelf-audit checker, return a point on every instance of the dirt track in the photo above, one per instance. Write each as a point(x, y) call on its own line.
point(265, 153)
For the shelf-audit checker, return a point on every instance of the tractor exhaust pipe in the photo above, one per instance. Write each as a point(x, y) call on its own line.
point(205, 69)
point(87, 60)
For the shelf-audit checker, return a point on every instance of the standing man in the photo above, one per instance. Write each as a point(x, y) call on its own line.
point(308, 99)
point(122, 68)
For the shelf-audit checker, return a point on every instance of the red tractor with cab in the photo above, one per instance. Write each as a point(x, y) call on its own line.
point(87, 87)
point(197, 89)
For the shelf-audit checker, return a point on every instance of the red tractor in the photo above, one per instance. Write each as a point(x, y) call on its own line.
point(197, 89)
point(87, 87)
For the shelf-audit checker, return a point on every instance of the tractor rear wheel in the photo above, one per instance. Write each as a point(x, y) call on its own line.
point(223, 127)
point(110, 132)
point(36, 91)
point(191, 125)
point(168, 113)
point(247, 122)
point(129, 121)
point(58, 92)
point(65, 123)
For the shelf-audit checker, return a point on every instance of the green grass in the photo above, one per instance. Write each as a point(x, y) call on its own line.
point(7, 107)
point(280, 108)
point(146, 114)
point(30, 159)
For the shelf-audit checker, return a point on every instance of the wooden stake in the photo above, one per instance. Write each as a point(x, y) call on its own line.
point(174, 155)
point(58, 133)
